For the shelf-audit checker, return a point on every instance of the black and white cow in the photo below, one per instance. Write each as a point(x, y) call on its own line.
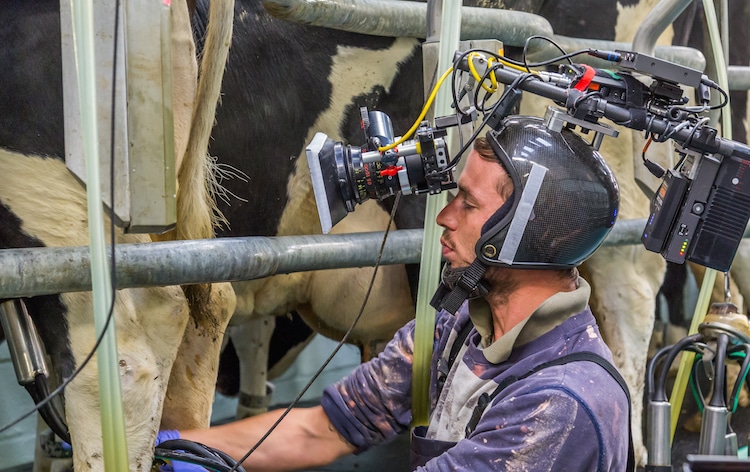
point(283, 83)
point(168, 337)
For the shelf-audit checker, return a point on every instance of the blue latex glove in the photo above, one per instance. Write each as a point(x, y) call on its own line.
point(176, 466)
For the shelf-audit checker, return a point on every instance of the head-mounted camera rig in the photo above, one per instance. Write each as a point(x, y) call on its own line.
point(699, 212)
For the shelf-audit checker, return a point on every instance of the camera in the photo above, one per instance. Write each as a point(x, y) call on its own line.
point(345, 175)
point(700, 210)
point(699, 213)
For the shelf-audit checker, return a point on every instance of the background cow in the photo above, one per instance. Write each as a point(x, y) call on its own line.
point(283, 83)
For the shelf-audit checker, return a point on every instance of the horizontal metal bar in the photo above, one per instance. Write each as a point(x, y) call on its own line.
point(39, 271)
point(42, 271)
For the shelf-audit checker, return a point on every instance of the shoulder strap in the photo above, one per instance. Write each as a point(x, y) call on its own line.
point(444, 366)
point(485, 399)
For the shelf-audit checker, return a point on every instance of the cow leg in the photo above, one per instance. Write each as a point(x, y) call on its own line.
point(189, 398)
point(625, 313)
point(252, 340)
point(147, 346)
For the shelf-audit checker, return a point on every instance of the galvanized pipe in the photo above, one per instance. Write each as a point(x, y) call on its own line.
point(42, 271)
point(38, 271)
point(408, 19)
point(658, 19)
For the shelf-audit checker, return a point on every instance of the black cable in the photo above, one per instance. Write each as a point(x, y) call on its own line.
point(516, 83)
point(718, 396)
point(742, 374)
point(196, 453)
point(660, 393)
point(335, 350)
point(651, 369)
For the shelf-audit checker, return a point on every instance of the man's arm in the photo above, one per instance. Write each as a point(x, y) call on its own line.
point(304, 438)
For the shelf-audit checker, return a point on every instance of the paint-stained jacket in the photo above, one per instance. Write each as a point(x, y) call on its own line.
point(570, 417)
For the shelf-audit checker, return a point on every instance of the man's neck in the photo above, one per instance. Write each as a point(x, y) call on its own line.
point(533, 288)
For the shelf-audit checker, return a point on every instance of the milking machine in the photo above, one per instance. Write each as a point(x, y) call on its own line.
point(723, 337)
point(699, 212)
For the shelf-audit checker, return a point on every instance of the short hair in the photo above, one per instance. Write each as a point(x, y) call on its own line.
point(504, 185)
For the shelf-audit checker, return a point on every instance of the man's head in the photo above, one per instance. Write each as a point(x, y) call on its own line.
point(565, 203)
point(482, 189)
point(528, 198)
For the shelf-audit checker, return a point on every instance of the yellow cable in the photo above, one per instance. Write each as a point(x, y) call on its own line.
point(493, 80)
point(427, 105)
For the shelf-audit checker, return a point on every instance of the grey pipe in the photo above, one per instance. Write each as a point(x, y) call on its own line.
point(43, 271)
point(658, 19)
point(408, 19)
point(38, 271)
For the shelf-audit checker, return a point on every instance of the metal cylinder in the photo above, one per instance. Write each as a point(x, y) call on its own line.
point(23, 341)
point(713, 430)
point(658, 435)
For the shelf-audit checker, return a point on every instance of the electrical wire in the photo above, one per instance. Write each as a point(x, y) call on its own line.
point(336, 349)
point(195, 453)
point(426, 107)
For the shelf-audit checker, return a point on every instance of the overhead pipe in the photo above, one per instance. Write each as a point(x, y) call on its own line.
point(407, 19)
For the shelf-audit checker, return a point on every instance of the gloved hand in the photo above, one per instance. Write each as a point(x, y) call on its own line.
point(175, 466)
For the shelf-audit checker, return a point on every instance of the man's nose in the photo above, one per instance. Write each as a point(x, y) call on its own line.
point(445, 217)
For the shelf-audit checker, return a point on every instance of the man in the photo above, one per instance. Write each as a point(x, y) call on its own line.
point(512, 238)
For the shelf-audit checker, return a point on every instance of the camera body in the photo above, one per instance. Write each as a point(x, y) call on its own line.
point(345, 175)
point(700, 211)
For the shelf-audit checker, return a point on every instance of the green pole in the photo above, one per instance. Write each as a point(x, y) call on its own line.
point(110, 394)
point(449, 34)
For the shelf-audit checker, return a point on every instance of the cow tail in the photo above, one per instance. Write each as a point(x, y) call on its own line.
point(197, 211)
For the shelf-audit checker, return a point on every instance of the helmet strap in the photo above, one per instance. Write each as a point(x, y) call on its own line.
point(523, 214)
point(451, 298)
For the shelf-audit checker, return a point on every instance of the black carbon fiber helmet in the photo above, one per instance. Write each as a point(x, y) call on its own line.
point(564, 202)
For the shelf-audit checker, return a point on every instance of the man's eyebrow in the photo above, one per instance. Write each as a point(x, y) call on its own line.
point(463, 189)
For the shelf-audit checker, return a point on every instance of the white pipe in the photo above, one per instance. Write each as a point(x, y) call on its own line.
point(449, 34)
point(115, 448)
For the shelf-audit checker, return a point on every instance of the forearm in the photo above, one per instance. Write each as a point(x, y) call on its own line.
point(304, 438)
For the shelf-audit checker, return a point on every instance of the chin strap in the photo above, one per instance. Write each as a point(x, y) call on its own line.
point(450, 297)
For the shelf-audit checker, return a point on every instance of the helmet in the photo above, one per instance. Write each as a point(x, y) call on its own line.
point(564, 202)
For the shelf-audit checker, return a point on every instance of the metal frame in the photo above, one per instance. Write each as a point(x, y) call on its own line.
point(35, 271)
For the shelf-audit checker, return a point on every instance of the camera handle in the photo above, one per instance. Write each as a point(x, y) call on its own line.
point(724, 335)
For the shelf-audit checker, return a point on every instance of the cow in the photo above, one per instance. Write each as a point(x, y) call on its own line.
point(168, 338)
point(283, 83)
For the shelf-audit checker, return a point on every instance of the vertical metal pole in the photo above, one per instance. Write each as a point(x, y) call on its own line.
point(110, 393)
point(448, 34)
